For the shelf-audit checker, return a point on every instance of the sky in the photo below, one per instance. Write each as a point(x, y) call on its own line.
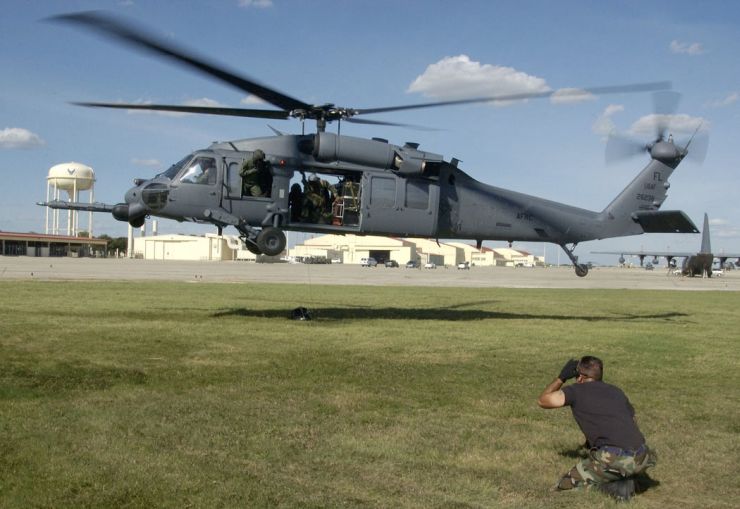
point(365, 54)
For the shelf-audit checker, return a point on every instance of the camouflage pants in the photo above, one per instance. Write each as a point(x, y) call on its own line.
point(603, 466)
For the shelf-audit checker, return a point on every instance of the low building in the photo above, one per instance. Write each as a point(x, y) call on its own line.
point(483, 257)
point(353, 248)
point(439, 253)
point(188, 247)
point(516, 258)
point(37, 244)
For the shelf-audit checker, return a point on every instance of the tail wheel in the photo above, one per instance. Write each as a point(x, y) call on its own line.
point(581, 270)
point(271, 241)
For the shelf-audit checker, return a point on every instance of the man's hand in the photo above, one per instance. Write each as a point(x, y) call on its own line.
point(569, 370)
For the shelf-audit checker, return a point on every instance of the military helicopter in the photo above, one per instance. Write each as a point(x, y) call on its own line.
point(363, 186)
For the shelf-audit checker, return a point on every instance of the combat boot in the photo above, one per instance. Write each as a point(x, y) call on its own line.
point(621, 490)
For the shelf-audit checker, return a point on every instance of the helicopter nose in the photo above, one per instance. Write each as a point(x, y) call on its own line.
point(132, 195)
point(133, 211)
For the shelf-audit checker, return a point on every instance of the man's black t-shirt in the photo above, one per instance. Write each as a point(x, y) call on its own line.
point(604, 414)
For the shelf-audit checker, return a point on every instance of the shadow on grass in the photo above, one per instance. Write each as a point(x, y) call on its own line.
point(578, 452)
point(445, 314)
point(644, 482)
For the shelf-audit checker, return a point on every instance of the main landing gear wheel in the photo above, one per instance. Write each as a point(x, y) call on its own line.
point(581, 270)
point(252, 247)
point(271, 241)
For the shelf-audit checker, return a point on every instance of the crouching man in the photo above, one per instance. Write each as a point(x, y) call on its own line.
point(617, 449)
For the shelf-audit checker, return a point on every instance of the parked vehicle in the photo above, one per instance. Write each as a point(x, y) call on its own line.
point(430, 265)
point(463, 266)
point(369, 262)
point(391, 263)
point(412, 264)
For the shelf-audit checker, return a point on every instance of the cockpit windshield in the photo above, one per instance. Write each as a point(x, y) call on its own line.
point(201, 170)
point(175, 168)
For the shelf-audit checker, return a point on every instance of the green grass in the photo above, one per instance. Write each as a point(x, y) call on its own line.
point(206, 395)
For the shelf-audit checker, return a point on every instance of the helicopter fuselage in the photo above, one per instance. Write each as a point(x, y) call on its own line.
point(375, 188)
point(326, 183)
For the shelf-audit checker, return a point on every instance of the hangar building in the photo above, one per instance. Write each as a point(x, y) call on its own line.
point(37, 244)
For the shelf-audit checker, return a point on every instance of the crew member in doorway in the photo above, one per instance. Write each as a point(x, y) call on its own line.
point(256, 175)
point(617, 450)
point(313, 200)
point(295, 200)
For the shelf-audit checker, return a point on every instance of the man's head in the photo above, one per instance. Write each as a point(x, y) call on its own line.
point(258, 155)
point(590, 367)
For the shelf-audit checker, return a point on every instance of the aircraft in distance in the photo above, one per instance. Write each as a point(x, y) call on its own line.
point(363, 186)
point(694, 264)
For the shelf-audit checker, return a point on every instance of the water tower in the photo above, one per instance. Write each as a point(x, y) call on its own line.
point(70, 177)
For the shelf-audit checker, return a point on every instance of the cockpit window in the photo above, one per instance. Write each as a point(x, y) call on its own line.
point(175, 168)
point(202, 170)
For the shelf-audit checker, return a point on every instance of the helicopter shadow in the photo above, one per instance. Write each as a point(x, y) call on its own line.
point(443, 314)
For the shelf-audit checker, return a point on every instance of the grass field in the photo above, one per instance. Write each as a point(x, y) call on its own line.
point(207, 395)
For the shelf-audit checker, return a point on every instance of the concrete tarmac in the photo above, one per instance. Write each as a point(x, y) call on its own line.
point(112, 269)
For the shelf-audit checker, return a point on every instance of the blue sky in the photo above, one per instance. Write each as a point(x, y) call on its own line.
point(379, 53)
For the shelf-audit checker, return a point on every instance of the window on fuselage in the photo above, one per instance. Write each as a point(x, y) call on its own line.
point(383, 191)
point(417, 195)
point(202, 170)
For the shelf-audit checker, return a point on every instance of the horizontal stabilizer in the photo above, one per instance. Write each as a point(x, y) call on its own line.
point(71, 205)
point(664, 221)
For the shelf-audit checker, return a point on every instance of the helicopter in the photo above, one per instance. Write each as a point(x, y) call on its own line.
point(362, 186)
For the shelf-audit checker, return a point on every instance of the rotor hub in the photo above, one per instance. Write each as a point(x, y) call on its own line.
point(666, 152)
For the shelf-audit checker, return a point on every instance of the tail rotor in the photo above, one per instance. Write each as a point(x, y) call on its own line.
point(620, 147)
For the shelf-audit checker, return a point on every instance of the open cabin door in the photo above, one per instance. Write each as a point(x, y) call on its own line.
point(232, 179)
point(396, 205)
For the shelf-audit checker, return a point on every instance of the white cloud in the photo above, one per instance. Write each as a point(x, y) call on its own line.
point(259, 4)
point(685, 48)
point(677, 124)
point(727, 101)
point(725, 231)
point(604, 123)
point(722, 228)
point(459, 77)
point(252, 99)
point(149, 163)
point(17, 137)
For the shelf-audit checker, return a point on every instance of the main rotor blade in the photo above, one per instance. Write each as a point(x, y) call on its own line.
point(112, 27)
point(665, 104)
point(395, 124)
point(207, 110)
point(614, 89)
